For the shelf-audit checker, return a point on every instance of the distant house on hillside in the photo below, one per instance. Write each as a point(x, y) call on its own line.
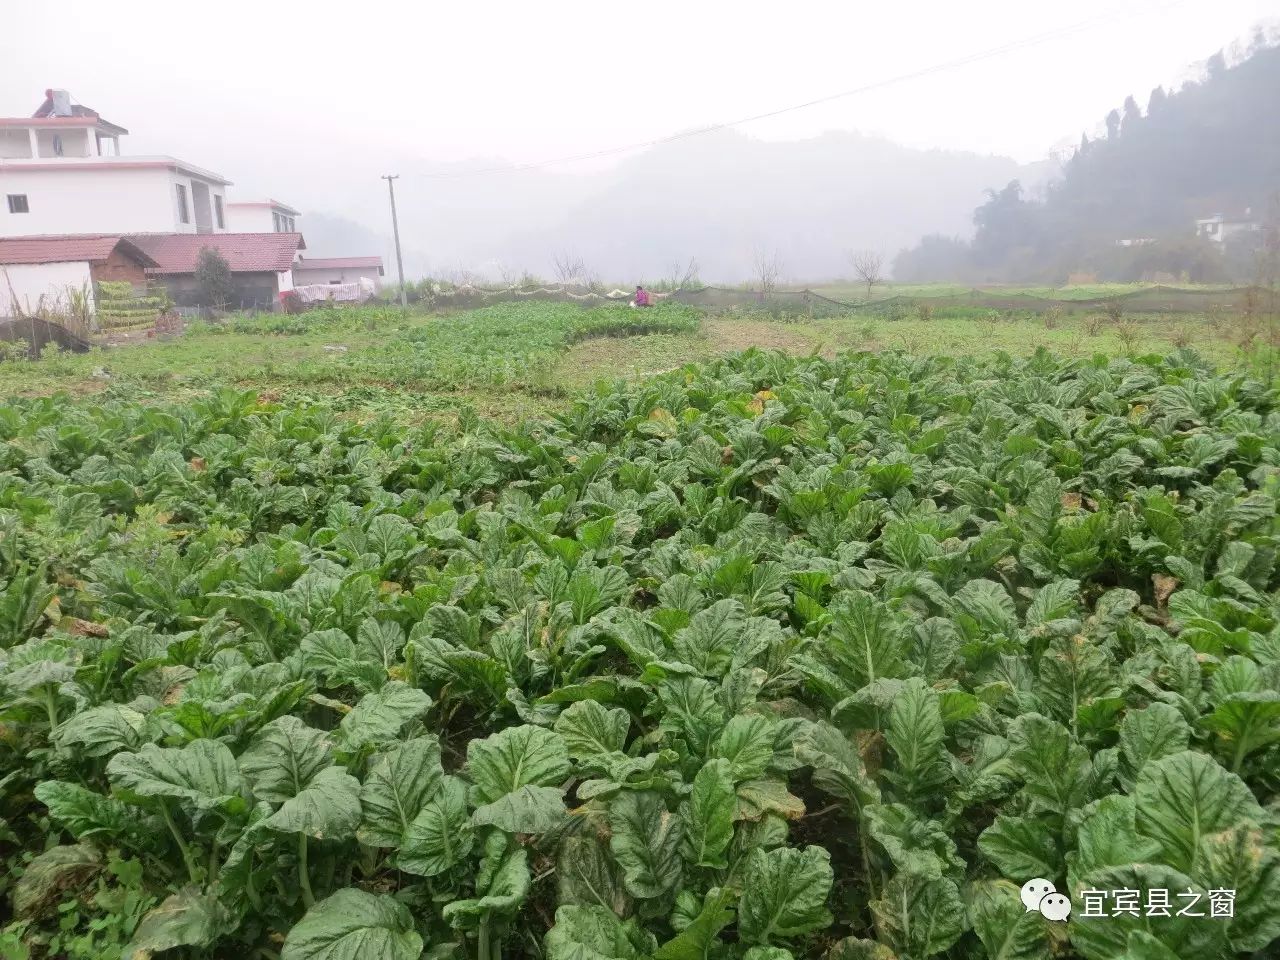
point(62, 173)
point(1220, 228)
point(261, 265)
point(46, 272)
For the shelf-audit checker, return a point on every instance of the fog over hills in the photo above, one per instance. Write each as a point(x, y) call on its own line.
point(717, 197)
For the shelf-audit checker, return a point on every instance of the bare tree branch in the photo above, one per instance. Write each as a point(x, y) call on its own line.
point(768, 268)
point(868, 264)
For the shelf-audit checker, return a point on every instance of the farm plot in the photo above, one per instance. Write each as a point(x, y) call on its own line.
point(765, 658)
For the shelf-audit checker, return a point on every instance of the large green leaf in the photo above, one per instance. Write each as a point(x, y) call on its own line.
point(327, 808)
point(1246, 722)
point(920, 917)
point(591, 732)
point(708, 643)
point(354, 925)
point(837, 765)
point(1148, 734)
point(912, 842)
point(1184, 797)
point(501, 885)
point(699, 939)
point(527, 809)
point(441, 835)
point(747, 742)
point(188, 918)
point(1022, 847)
point(1108, 837)
point(1053, 766)
point(708, 815)
point(1242, 861)
point(283, 758)
point(784, 893)
point(916, 735)
point(202, 775)
point(102, 731)
point(511, 758)
point(84, 813)
point(1107, 937)
point(1006, 928)
point(595, 933)
point(645, 839)
point(379, 717)
point(398, 786)
point(586, 874)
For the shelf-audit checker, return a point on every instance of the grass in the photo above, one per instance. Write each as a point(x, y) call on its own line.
point(511, 361)
point(851, 290)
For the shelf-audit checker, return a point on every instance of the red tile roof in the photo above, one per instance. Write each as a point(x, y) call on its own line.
point(69, 248)
point(244, 252)
point(338, 263)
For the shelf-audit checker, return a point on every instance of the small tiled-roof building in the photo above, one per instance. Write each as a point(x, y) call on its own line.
point(49, 271)
point(261, 264)
point(335, 270)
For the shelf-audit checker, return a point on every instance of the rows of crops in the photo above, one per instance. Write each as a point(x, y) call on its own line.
point(505, 346)
point(763, 659)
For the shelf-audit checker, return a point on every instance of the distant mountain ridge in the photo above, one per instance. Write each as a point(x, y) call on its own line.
point(719, 197)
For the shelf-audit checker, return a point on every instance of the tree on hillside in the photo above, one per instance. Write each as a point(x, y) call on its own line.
point(1132, 116)
point(1159, 100)
point(213, 279)
point(868, 265)
point(1113, 124)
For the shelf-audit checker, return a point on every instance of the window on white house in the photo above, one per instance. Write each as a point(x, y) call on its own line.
point(217, 212)
point(184, 214)
point(18, 203)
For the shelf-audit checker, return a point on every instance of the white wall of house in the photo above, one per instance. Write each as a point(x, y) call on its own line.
point(14, 143)
point(119, 200)
point(305, 275)
point(24, 285)
point(249, 218)
point(284, 280)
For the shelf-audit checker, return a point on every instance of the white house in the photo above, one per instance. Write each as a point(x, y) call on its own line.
point(1219, 228)
point(338, 270)
point(61, 172)
point(48, 274)
point(261, 216)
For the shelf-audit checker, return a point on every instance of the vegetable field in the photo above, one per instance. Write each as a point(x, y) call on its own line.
point(761, 659)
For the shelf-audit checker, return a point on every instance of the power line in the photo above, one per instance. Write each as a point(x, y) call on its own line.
point(865, 88)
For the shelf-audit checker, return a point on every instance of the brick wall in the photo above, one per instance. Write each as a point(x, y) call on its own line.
point(118, 266)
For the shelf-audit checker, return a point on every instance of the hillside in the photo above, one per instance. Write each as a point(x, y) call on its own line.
point(1211, 147)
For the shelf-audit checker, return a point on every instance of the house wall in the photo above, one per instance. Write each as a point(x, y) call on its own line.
point(249, 219)
point(141, 200)
point(22, 285)
point(306, 275)
point(76, 142)
point(253, 291)
point(119, 267)
point(15, 144)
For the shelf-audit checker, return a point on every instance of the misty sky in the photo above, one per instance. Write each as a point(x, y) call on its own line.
point(309, 102)
point(526, 81)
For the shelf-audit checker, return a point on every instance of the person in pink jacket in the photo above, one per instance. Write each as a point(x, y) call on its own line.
point(642, 297)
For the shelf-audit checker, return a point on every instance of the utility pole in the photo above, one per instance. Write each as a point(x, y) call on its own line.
point(395, 228)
